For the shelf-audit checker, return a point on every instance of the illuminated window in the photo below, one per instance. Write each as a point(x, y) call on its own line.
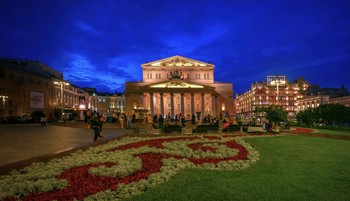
point(223, 106)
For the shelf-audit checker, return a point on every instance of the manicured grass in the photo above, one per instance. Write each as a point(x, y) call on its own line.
point(333, 132)
point(290, 168)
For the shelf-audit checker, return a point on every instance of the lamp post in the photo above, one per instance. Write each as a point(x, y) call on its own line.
point(278, 82)
point(61, 84)
point(3, 103)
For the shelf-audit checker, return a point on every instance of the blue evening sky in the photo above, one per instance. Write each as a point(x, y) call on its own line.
point(102, 43)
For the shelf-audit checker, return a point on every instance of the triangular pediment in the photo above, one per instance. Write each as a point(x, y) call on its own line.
point(177, 61)
point(177, 84)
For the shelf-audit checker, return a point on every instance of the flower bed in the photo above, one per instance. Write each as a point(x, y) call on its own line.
point(125, 167)
point(303, 130)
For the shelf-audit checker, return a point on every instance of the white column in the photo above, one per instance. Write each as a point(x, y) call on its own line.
point(142, 104)
point(182, 104)
point(213, 105)
point(161, 104)
point(151, 103)
point(203, 106)
point(192, 103)
point(172, 104)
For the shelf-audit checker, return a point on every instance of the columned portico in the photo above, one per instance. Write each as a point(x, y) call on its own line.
point(178, 103)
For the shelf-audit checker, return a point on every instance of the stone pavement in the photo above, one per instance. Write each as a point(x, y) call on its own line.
point(22, 144)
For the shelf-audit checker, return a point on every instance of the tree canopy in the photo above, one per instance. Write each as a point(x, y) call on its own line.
point(329, 114)
point(274, 113)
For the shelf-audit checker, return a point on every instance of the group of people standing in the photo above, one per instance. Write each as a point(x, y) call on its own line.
point(95, 121)
point(127, 119)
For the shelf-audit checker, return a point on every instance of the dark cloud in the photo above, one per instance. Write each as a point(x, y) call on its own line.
point(102, 44)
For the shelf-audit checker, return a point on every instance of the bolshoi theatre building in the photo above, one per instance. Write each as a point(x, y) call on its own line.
point(178, 85)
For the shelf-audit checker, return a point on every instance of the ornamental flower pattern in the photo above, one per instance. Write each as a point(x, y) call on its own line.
point(125, 167)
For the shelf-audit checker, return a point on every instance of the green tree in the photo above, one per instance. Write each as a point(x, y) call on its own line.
point(333, 114)
point(306, 117)
point(274, 113)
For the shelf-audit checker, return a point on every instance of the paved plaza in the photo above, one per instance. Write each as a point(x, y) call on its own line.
point(31, 142)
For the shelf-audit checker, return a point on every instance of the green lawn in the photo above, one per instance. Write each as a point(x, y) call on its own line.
point(290, 168)
point(332, 132)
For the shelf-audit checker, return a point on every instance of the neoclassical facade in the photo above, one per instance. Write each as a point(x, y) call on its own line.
point(178, 85)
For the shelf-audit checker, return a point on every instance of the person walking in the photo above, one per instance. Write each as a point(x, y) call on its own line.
point(133, 117)
point(101, 121)
point(121, 120)
point(128, 120)
point(88, 115)
point(94, 124)
point(43, 120)
point(149, 123)
point(160, 121)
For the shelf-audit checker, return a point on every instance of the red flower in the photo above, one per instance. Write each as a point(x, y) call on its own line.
point(303, 130)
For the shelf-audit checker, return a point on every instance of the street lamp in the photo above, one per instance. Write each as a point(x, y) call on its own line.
point(61, 83)
point(3, 103)
point(278, 82)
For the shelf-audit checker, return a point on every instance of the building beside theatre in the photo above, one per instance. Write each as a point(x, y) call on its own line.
point(277, 90)
point(315, 101)
point(178, 85)
point(109, 103)
point(28, 86)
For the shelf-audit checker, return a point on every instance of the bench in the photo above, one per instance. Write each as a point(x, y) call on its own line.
point(205, 128)
point(232, 128)
point(171, 129)
point(255, 129)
